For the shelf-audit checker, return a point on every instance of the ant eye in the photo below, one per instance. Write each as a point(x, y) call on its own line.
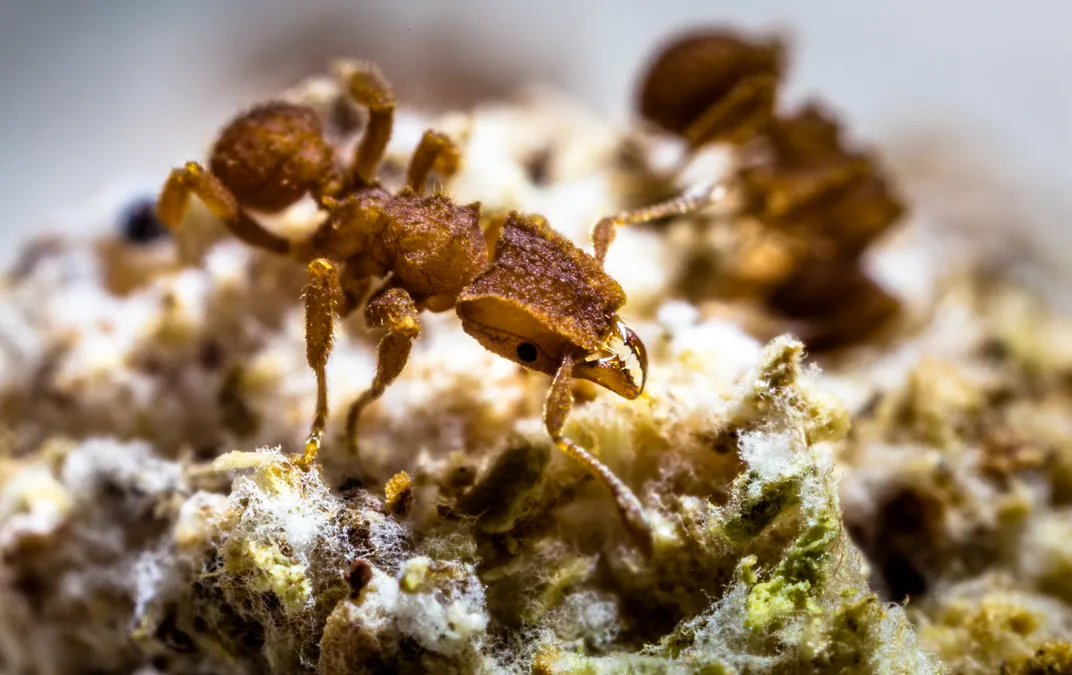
point(526, 351)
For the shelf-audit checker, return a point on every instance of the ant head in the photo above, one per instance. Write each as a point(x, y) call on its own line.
point(543, 299)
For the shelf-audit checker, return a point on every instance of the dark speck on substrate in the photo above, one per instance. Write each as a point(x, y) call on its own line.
point(138, 223)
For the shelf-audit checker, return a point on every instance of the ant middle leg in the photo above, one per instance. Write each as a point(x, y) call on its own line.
point(435, 151)
point(355, 286)
point(194, 179)
point(556, 410)
point(391, 308)
point(368, 88)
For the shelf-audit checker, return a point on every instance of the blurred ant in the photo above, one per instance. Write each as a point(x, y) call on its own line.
point(795, 175)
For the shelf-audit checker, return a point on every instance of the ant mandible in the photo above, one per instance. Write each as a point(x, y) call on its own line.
point(538, 300)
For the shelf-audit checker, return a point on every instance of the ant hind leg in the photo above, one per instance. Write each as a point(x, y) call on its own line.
point(194, 179)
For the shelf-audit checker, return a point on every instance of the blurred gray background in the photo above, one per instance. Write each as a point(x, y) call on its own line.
point(98, 94)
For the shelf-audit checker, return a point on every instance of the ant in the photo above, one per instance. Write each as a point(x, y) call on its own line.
point(535, 299)
point(795, 175)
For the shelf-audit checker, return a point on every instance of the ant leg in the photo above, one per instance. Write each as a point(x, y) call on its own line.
point(368, 88)
point(355, 287)
point(393, 309)
point(323, 298)
point(192, 178)
point(738, 116)
point(492, 229)
point(692, 200)
point(556, 409)
point(437, 151)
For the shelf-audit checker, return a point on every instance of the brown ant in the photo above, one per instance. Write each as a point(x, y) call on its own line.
point(538, 300)
point(796, 176)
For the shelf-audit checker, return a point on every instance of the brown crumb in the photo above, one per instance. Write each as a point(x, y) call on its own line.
point(358, 577)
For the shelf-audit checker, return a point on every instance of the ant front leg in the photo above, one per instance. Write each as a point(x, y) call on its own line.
point(555, 412)
point(436, 151)
point(195, 179)
point(391, 308)
point(692, 200)
point(323, 298)
point(368, 88)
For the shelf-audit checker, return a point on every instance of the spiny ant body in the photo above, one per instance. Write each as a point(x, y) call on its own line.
point(537, 299)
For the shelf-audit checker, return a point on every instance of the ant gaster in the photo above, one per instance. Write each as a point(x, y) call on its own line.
point(538, 300)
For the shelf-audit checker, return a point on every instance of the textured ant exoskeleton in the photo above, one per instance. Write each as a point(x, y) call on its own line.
point(538, 300)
